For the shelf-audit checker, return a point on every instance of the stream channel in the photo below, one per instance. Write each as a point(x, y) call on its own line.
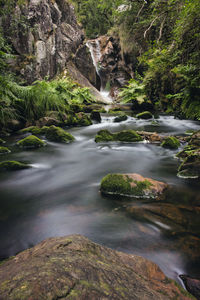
point(60, 196)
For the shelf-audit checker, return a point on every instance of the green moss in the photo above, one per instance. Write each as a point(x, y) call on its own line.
point(34, 130)
point(171, 143)
point(128, 136)
point(144, 115)
point(120, 118)
point(83, 119)
point(1, 141)
point(57, 134)
point(4, 150)
point(122, 136)
point(123, 185)
point(31, 141)
point(114, 112)
point(13, 165)
point(104, 136)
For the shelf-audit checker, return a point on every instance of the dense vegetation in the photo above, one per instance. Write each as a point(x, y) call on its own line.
point(162, 39)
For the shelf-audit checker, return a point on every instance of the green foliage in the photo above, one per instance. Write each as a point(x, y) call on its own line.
point(134, 91)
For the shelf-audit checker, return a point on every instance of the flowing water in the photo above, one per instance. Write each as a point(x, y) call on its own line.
point(60, 196)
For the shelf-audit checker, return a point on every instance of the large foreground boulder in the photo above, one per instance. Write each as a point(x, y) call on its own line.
point(75, 268)
point(132, 185)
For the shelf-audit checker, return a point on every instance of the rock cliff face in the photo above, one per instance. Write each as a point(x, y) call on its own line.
point(74, 268)
point(45, 36)
point(110, 63)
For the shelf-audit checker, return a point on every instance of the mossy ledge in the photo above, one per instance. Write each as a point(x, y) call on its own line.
point(171, 143)
point(31, 141)
point(57, 134)
point(12, 165)
point(75, 268)
point(131, 185)
point(4, 150)
point(144, 115)
point(122, 136)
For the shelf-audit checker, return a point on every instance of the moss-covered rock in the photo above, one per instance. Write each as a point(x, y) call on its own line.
point(4, 150)
point(120, 118)
point(1, 141)
point(128, 136)
point(34, 130)
point(13, 165)
point(73, 267)
point(132, 185)
point(171, 143)
point(57, 134)
point(31, 141)
point(114, 112)
point(122, 136)
point(95, 115)
point(104, 136)
point(83, 119)
point(144, 115)
point(190, 166)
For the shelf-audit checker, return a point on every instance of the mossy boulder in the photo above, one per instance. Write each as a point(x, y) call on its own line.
point(131, 185)
point(73, 267)
point(83, 119)
point(4, 150)
point(31, 141)
point(57, 134)
point(171, 143)
point(114, 112)
point(120, 118)
point(190, 166)
point(122, 136)
point(13, 165)
point(144, 115)
point(34, 130)
point(128, 136)
point(104, 136)
point(95, 115)
point(2, 142)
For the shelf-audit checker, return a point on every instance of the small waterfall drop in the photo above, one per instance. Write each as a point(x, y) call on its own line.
point(95, 51)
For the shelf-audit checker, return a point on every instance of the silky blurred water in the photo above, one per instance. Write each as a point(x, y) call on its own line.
point(60, 194)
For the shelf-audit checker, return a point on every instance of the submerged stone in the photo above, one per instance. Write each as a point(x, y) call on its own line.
point(57, 134)
point(4, 150)
point(144, 115)
point(132, 185)
point(73, 267)
point(122, 136)
point(171, 143)
point(13, 165)
point(31, 141)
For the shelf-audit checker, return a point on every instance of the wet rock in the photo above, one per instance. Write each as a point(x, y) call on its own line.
point(95, 115)
point(82, 119)
point(4, 150)
point(31, 142)
point(144, 115)
point(13, 165)
point(57, 134)
point(75, 268)
point(14, 125)
point(192, 285)
point(132, 185)
point(121, 118)
point(48, 121)
point(171, 143)
point(122, 136)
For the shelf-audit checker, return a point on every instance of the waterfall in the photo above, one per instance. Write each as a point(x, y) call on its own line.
point(95, 50)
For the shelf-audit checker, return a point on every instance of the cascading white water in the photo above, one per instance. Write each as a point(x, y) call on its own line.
point(95, 51)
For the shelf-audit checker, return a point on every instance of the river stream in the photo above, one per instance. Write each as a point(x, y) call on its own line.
point(60, 196)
